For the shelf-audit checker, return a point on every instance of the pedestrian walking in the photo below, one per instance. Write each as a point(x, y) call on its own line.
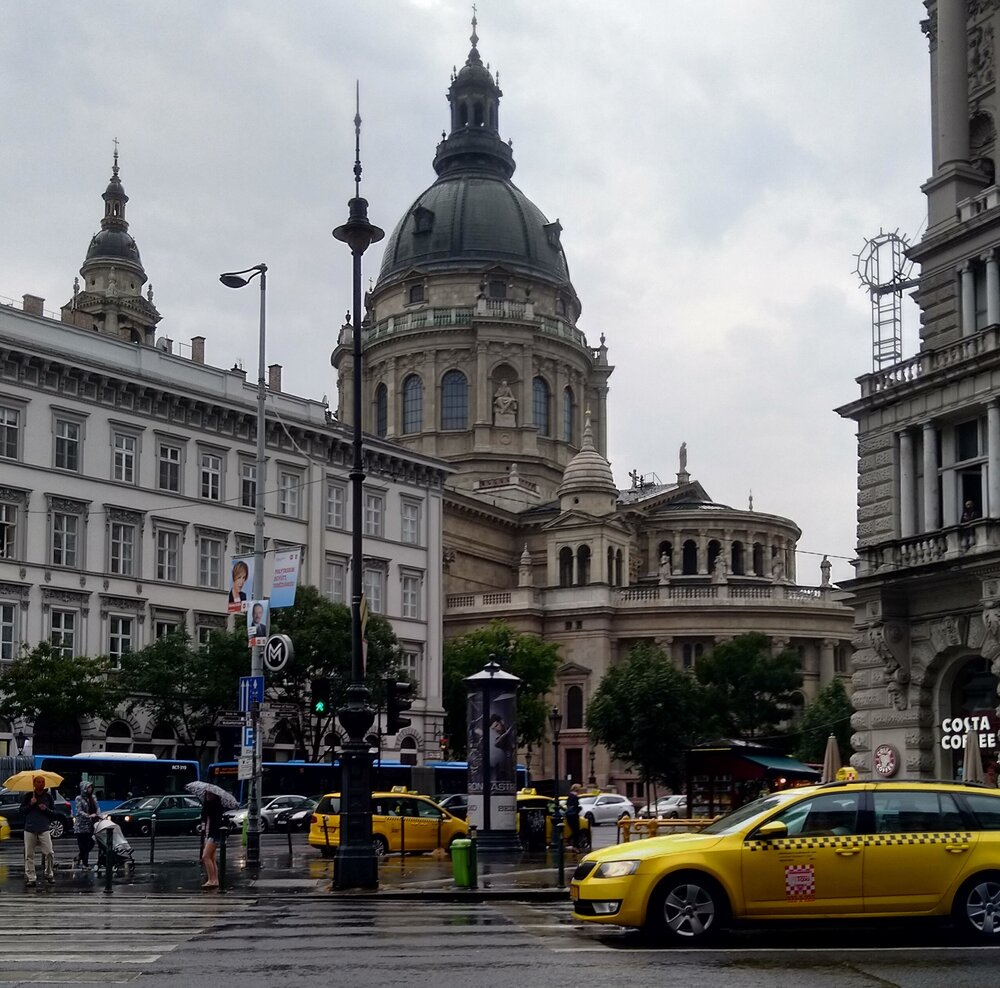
point(573, 815)
point(37, 808)
point(85, 814)
point(211, 827)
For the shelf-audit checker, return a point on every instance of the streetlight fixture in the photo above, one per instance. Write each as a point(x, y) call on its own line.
point(240, 279)
point(356, 863)
point(592, 778)
point(555, 726)
point(19, 739)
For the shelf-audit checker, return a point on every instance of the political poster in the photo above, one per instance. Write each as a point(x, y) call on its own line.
point(241, 584)
point(257, 622)
point(286, 577)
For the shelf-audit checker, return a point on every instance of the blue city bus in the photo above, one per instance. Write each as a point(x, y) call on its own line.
point(118, 776)
point(301, 778)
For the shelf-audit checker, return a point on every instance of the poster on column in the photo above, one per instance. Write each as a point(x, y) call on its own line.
point(257, 621)
point(241, 584)
point(286, 577)
point(475, 740)
point(502, 747)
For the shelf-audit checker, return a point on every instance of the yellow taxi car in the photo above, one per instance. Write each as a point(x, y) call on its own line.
point(530, 799)
point(401, 820)
point(841, 850)
point(4, 828)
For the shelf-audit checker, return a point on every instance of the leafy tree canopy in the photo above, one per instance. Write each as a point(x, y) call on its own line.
point(830, 713)
point(749, 690)
point(528, 657)
point(45, 683)
point(186, 685)
point(320, 631)
point(647, 713)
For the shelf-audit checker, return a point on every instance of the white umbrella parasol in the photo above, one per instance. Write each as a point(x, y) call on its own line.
point(228, 800)
point(972, 760)
point(831, 760)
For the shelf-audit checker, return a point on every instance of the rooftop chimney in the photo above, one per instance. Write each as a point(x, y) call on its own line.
point(274, 377)
point(33, 305)
point(198, 349)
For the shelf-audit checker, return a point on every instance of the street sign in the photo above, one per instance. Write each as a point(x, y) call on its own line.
point(251, 691)
point(232, 718)
point(244, 768)
point(278, 652)
point(247, 738)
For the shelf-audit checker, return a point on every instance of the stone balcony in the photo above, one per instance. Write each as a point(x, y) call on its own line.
point(675, 595)
point(947, 545)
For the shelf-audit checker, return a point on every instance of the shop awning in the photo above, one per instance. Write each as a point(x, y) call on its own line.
point(781, 763)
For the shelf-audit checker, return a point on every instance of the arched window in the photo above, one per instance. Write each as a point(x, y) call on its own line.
point(416, 293)
point(164, 740)
point(454, 400)
point(413, 404)
point(118, 736)
point(408, 751)
point(688, 655)
point(738, 564)
point(540, 399)
point(566, 566)
point(568, 415)
point(689, 564)
point(714, 548)
point(758, 559)
point(583, 565)
point(381, 411)
point(619, 575)
point(611, 566)
point(574, 707)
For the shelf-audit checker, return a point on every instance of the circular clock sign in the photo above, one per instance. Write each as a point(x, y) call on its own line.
point(886, 760)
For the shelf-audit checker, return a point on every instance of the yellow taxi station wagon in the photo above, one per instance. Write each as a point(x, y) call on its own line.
point(848, 850)
point(401, 821)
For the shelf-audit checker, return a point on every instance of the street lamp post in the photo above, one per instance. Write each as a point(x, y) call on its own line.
point(592, 778)
point(356, 864)
point(555, 725)
point(240, 279)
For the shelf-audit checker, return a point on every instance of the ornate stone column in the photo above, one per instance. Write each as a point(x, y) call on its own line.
point(992, 287)
point(992, 508)
point(968, 300)
point(907, 500)
point(932, 518)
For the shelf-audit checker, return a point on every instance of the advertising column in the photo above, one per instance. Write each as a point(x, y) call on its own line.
point(492, 746)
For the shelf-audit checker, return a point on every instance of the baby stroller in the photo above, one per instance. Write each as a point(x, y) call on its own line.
point(112, 847)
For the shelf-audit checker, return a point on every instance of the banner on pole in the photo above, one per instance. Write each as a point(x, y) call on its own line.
point(286, 577)
point(257, 622)
point(241, 585)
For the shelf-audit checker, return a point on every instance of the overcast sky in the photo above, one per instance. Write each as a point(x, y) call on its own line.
point(715, 167)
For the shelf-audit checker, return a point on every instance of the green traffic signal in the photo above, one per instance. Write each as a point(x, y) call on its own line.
point(320, 706)
point(320, 695)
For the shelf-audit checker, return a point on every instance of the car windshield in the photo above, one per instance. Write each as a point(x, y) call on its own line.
point(735, 820)
point(139, 803)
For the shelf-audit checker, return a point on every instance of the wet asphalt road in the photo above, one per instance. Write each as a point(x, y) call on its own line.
point(291, 931)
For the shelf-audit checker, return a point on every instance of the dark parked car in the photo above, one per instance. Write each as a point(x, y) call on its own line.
point(175, 814)
point(457, 804)
point(298, 816)
point(10, 807)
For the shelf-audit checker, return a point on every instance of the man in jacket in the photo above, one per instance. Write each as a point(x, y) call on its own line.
point(38, 810)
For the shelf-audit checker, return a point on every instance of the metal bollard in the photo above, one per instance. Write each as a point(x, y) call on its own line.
point(288, 832)
point(402, 838)
point(473, 859)
point(223, 834)
point(109, 866)
point(152, 838)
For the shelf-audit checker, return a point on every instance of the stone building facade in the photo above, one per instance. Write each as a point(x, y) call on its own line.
point(474, 353)
point(927, 593)
point(128, 482)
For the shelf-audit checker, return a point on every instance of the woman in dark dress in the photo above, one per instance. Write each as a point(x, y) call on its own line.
point(211, 827)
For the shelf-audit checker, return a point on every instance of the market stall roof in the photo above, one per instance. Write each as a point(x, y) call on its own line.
point(780, 763)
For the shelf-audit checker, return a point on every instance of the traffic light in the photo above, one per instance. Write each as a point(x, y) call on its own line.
point(397, 702)
point(321, 696)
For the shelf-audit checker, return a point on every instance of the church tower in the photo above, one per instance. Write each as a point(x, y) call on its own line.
point(111, 300)
point(472, 350)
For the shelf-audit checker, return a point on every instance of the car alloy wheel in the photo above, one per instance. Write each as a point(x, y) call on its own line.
point(686, 908)
point(977, 906)
point(381, 846)
point(58, 828)
point(590, 819)
point(145, 827)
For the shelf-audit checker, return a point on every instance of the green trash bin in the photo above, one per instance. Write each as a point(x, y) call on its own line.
point(461, 852)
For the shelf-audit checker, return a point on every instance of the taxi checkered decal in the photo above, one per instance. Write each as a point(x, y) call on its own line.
point(868, 840)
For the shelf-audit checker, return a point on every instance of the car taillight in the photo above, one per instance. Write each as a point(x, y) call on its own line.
point(313, 819)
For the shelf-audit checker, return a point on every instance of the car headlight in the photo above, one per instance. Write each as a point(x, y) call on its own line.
point(127, 819)
point(615, 869)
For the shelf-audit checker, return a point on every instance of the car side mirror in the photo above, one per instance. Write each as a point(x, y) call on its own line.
point(772, 830)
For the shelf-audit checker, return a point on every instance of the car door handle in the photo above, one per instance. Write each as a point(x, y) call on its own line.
point(846, 852)
point(957, 848)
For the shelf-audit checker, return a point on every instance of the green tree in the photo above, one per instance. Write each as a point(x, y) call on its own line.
point(528, 657)
point(45, 683)
point(749, 690)
point(647, 713)
point(320, 631)
point(185, 685)
point(830, 713)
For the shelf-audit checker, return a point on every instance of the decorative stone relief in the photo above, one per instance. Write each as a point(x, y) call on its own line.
point(981, 56)
point(891, 642)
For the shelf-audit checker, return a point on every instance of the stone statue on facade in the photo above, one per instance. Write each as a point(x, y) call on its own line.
point(683, 457)
point(664, 569)
point(891, 642)
point(719, 570)
point(112, 289)
point(824, 569)
point(504, 406)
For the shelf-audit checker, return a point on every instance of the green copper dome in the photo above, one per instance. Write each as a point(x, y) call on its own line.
point(473, 216)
